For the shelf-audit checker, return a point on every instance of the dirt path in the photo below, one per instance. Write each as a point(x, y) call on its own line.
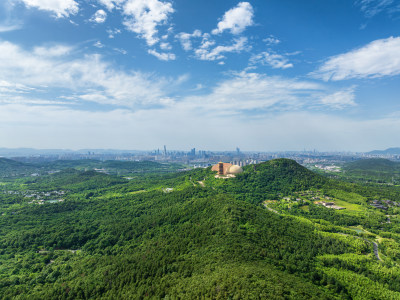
point(270, 209)
point(376, 251)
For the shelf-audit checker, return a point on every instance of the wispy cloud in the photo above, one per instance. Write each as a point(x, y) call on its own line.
point(340, 99)
point(186, 39)
point(377, 59)
point(271, 40)
point(162, 56)
point(111, 4)
point(98, 44)
point(374, 7)
point(274, 60)
point(113, 32)
point(236, 19)
point(52, 69)
point(258, 93)
point(60, 8)
point(207, 52)
point(53, 51)
point(165, 46)
point(7, 27)
point(143, 17)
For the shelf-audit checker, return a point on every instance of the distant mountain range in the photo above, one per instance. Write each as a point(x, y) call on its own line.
point(389, 151)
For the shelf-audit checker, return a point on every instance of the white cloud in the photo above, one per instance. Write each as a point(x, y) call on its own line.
point(11, 87)
point(253, 91)
point(340, 99)
point(55, 51)
point(100, 16)
point(185, 39)
point(236, 19)
point(274, 60)
point(162, 56)
point(86, 75)
point(377, 59)
point(165, 46)
point(271, 40)
point(98, 44)
point(61, 8)
point(204, 53)
point(143, 17)
point(5, 99)
point(111, 4)
point(120, 50)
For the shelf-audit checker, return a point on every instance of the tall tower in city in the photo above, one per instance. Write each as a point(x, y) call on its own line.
point(165, 150)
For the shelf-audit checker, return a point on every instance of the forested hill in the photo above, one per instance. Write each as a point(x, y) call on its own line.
point(9, 163)
point(376, 170)
point(267, 180)
point(276, 176)
point(373, 165)
point(111, 166)
point(189, 235)
point(75, 180)
point(14, 168)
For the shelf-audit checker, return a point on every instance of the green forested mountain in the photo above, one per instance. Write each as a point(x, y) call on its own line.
point(373, 165)
point(374, 170)
point(189, 235)
point(14, 169)
point(9, 163)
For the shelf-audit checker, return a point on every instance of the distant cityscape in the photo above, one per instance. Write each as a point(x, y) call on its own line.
point(198, 158)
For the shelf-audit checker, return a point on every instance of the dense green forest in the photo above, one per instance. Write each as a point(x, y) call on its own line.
point(264, 234)
point(13, 169)
point(372, 171)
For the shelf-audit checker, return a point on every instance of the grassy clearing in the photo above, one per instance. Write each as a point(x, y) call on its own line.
point(305, 207)
point(348, 197)
point(349, 206)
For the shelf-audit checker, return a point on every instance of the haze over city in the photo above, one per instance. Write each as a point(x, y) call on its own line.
point(261, 75)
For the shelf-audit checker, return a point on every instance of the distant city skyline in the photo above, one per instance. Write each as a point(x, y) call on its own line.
point(258, 75)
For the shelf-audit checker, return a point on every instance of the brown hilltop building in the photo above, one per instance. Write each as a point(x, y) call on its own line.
point(226, 169)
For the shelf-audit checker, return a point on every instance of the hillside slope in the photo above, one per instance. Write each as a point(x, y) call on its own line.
point(196, 241)
point(9, 167)
point(373, 164)
point(374, 170)
point(266, 180)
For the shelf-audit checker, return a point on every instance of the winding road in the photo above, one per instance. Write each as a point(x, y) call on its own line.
point(376, 252)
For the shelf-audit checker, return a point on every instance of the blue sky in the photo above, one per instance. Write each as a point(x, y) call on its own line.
point(261, 75)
